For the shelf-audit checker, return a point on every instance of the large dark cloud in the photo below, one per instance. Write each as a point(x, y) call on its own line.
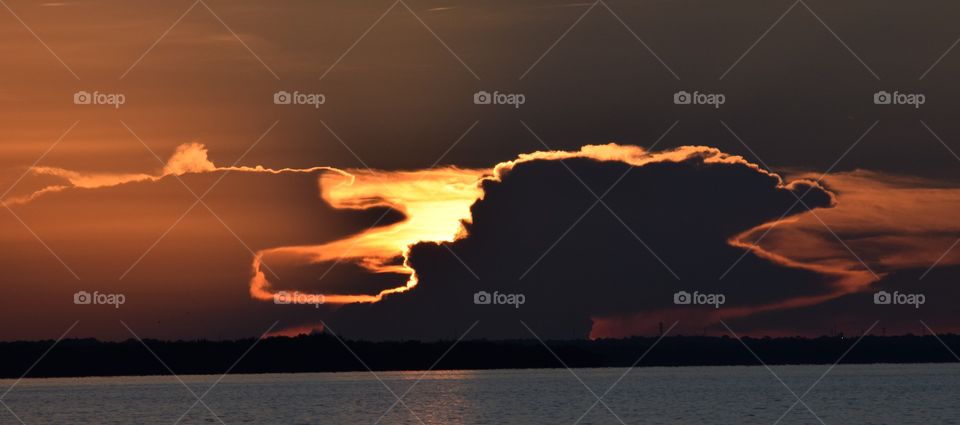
point(684, 211)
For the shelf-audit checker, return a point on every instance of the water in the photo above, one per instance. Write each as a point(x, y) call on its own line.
point(856, 394)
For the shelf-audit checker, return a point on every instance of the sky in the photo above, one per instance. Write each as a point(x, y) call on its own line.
point(396, 201)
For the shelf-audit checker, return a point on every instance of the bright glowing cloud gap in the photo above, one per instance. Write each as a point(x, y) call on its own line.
point(433, 201)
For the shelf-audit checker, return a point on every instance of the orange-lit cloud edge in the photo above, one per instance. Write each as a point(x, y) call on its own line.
point(436, 202)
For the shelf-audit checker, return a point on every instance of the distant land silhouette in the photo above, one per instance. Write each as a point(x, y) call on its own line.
point(325, 353)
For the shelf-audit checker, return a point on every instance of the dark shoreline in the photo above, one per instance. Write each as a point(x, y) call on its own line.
point(324, 353)
point(213, 375)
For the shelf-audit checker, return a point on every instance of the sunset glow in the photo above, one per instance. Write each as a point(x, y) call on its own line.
point(433, 201)
point(299, 207)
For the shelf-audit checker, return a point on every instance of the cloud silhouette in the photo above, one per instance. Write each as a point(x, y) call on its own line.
point(540, 231)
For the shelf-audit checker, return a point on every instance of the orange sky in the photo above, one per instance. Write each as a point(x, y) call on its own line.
point(105, 198)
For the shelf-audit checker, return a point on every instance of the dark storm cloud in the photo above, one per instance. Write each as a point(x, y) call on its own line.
point(685, 209)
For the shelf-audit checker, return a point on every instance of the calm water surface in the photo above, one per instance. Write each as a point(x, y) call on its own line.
point(857, 394)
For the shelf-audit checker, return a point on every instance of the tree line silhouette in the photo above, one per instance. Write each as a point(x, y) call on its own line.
point(326, 353)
